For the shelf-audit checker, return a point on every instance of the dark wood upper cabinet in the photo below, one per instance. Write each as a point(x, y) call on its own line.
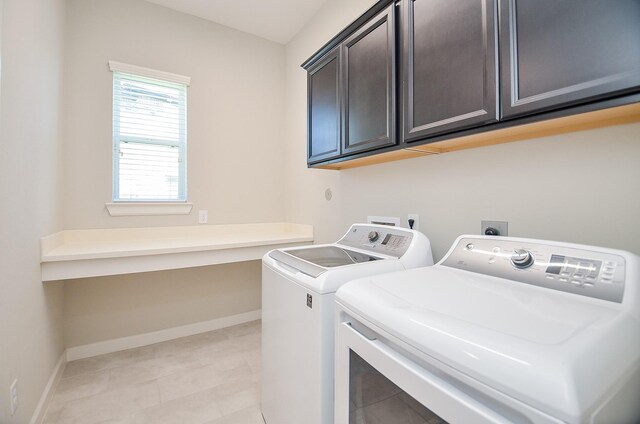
point(369, 84)
point(449, 65)
point(428, 76)
point(560, 53)
point(323, 108)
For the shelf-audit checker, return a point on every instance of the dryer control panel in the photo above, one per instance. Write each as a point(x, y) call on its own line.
point(577, 269)
point(392, 241)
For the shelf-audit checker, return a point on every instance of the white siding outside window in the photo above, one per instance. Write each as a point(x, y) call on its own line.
point(149, 135)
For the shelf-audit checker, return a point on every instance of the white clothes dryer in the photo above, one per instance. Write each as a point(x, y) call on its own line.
point(502, 330)
point(298, 287)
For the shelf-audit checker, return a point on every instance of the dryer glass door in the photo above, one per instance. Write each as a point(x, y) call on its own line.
point(373, 398)
point(377, 381)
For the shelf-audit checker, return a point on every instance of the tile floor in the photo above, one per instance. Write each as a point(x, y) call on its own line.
point(211, 378)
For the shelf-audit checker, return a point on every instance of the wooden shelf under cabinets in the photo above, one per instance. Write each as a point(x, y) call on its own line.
point(585, 121)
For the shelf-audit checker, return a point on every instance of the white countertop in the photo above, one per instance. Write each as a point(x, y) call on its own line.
point(89, 253)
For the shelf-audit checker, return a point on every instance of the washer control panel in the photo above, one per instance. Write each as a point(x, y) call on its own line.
point(392, 241)
point(578, 270)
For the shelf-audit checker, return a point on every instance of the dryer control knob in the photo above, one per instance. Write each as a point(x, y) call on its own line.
point(373, 236)
point(522, 258)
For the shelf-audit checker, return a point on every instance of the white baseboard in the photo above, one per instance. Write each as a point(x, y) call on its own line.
point(130, 342)
point(41, 408)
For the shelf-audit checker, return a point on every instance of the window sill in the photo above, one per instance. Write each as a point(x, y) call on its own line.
point(148, 208)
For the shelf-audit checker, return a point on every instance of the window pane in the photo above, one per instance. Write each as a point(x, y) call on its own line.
point(149, 130)
point(149, 111)
point(149, 171)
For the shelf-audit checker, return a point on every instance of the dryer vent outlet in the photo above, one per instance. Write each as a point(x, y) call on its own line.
point(494, 228)
point(392, 221)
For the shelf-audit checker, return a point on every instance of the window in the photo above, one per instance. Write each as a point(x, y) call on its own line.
point(149, 134)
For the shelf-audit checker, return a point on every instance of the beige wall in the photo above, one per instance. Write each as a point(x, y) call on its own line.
point(106, 308)
point(235, 105)
point(235, 125)
point(30, 179)
point(582, 187)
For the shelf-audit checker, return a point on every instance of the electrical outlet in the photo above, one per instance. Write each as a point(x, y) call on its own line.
point(416, 221)
point(203, 216)
point(13, 396)
point(490, 228)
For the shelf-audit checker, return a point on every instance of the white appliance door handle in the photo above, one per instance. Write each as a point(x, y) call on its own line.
point(433, 391)
point(361, 331)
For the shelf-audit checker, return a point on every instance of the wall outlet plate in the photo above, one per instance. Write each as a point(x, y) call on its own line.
point(501, 226)
point(203, 216)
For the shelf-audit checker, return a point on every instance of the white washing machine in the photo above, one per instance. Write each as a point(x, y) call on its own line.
point(502, 330)
point(298, 287)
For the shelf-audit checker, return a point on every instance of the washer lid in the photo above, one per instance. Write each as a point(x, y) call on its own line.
point(331, 256)
point(555, 351)
point(316, 260)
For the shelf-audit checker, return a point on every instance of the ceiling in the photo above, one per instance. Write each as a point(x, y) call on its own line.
point(275, 20)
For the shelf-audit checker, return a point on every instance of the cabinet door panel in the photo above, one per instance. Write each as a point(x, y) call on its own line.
point(559, 53)
point(449, 65)
point(369, 85)
point(324, 108)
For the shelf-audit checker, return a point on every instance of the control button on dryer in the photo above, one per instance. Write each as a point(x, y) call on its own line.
point(373, 236)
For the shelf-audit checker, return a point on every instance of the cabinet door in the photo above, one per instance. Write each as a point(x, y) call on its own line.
point(323, 108)
point(450, 65)
point(369, 75)
point(558, 53)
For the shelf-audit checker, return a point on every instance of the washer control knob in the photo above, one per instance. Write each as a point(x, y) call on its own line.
point(522, 258)
point(373, 236)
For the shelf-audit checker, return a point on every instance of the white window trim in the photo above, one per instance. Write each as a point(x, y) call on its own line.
point(148, 72)
point(145, 208)
point(148, 208)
